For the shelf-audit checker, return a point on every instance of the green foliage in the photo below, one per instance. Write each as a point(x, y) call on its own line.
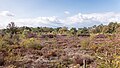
point(110, 28)
point(2, 43)
point(63, 30)
point(31, 43)
point(12, 29)
point(14, 38)
point(8, 41)
point(73, 31)
point(85, 43)
point(83, 31)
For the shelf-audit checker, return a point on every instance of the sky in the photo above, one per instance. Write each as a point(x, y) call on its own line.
point(58, 13)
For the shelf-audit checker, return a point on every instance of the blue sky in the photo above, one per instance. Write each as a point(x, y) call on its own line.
point(26, 9)
point(34, 8)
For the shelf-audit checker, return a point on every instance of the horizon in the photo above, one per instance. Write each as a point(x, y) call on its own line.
point(59, 13)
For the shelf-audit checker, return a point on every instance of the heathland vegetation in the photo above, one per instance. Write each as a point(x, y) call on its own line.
point(44, 47)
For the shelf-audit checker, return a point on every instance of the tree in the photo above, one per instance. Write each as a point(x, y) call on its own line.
point(73, 31)
point(63, 30)
point(12, 29)
point(112, 26)
point(84, 31)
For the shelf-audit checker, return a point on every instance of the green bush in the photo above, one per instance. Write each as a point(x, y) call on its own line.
point(31, 43)
point(3, 43)
point(85, 43)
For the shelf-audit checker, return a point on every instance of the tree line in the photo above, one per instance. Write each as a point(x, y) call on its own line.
point(112, 27)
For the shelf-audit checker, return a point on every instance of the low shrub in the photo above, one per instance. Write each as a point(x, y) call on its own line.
point(31, 43)
point(85, 43)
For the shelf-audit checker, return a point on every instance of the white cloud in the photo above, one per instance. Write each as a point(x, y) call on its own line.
point(93, 18)
point(5, 18)
point(40, 21)
point(100, 17)
point(78, 20)
point(67, 12)
point(6, 13)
